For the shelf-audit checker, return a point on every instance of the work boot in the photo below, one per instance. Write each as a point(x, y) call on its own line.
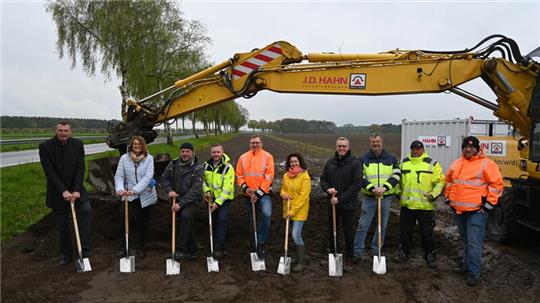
point(401, 257)
point(430, 260)
point(357, 259)
point(65, 260)
point(473, 281)
point(461, 268)
point(218, 252)
point(261, 253)
point(301, 257)
point(347, 265)
point(140, 253)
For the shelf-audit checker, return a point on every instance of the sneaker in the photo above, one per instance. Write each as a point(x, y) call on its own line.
point(261, 253)
point(65, 260)
point(180, 255)
point(347, 266)
point(401, 257)
point(473, 281)
point(430, 260)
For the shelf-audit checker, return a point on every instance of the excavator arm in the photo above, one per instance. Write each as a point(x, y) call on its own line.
point(281, 67)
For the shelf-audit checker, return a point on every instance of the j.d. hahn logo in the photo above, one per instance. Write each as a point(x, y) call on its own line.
point(357, 81)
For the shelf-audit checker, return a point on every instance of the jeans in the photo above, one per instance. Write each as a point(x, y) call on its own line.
point(347, 221)
point(369, 211)
point(263, 208)
point(297, 232)
point(407, 222)
point(221, 215)
point(471, 227)
point(63, 222)
point(185, 237)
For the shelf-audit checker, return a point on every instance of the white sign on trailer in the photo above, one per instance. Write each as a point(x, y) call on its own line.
point(436, 141)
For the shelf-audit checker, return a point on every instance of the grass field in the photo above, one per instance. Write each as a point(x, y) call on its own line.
point(23, 187)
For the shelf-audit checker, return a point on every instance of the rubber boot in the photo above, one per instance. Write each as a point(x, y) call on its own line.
point(301, 256)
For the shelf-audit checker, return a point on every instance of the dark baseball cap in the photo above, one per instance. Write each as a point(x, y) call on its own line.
point(417, 144)
point(186, 145)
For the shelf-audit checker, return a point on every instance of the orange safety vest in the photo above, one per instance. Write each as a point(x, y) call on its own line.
point(256, 170)
point(469, 180)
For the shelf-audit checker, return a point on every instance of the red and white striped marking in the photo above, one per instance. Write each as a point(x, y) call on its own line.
point(257, 61)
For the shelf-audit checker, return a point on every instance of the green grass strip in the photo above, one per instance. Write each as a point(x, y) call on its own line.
point(23, 187)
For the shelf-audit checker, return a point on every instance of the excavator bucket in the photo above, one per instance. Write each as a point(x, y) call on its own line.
point(101, 172)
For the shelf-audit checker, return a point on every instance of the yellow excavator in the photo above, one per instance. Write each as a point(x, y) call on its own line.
point(282, 68)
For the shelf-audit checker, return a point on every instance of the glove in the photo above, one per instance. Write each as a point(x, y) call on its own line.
point(259, 193)
point(447, 201)
point(243, 187)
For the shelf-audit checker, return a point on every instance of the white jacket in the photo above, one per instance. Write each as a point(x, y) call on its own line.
point(136, 178)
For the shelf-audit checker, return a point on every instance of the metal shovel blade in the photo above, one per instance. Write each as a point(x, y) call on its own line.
point(212, 264)
point(127, 264)
point(379, 265)
point(335, 265)
point(172, 267)
point(83, 265)
point(256, 263)
point(284, 266)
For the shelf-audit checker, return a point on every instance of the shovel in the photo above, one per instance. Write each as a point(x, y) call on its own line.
point(335, 260)
point(173, 266)
point(127, 263)
point(82, 264)
point(256, 263)
point(284, 266)
point(211, 263)
point(379, 263)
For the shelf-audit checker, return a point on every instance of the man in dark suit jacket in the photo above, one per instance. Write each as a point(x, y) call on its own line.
point(62, 159)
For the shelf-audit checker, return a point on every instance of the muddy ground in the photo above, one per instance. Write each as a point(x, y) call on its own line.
point(30, 270)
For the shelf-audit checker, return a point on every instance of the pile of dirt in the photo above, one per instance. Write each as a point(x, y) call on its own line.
point(30, 270)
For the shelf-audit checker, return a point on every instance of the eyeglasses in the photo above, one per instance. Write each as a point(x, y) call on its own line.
point(254, 142)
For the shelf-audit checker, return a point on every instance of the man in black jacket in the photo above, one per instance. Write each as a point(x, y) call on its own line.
point(341, 180)
point(62, 159)
point(183, 179)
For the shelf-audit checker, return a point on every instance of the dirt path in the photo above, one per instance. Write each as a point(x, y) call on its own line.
point(30, 272)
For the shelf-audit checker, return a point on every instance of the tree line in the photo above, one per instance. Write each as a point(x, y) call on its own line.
point(49, 123)
point(291, 125)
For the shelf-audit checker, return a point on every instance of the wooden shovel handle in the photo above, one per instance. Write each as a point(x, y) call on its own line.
point(173, 237)
point(76, 228)
point(287, 225)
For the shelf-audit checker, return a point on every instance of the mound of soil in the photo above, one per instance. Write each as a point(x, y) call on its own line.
point(30, 270)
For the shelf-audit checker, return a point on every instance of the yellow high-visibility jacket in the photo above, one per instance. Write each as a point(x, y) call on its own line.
point(219, 179)
point(420, 177)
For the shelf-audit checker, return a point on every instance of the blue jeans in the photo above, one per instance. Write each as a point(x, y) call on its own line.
point(471, 228)
point(297, 232)
point(263, 208)
point(369, 211)
point(221, 215)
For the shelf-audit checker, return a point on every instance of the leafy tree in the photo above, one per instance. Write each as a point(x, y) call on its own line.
point(144, 43)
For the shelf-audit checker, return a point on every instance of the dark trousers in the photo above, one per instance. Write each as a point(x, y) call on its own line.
point(138, 221)
point(219, 216)
point(185, 237)
point(347, 223)
point(63, 222)
point(407, 222)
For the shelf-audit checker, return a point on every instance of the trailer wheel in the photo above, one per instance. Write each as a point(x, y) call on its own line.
point(502, 225)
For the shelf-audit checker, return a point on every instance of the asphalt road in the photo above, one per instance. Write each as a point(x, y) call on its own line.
point(29, 156)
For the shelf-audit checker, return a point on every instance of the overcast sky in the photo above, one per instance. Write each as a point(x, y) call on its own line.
point(35, 82)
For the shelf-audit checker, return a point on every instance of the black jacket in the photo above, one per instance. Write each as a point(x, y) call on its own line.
point(345, 175)
point(186, 181)
point(64, 168)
